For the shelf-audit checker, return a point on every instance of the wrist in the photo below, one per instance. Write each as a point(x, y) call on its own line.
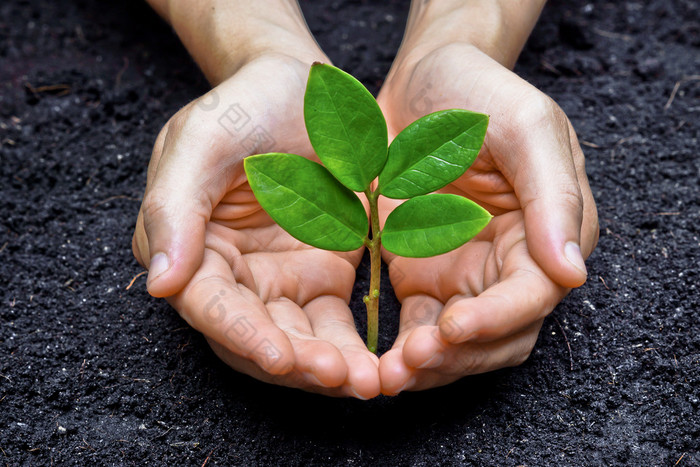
point(223, 36)
point(499, 28)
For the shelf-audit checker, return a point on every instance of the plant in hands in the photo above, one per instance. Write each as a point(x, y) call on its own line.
point(317, 203)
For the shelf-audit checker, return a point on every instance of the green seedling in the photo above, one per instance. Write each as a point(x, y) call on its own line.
point(317, 204)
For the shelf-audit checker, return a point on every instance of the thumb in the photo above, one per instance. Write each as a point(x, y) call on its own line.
point(177, 205)
point(174, 221)
point(545, 180)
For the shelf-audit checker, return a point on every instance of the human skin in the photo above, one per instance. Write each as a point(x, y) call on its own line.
point(480, 307)
point(266, 302)
point(249, 287)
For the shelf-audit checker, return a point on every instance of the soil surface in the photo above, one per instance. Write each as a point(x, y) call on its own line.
point(94, 374)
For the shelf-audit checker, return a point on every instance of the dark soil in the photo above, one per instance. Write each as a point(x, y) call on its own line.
point(91, 373)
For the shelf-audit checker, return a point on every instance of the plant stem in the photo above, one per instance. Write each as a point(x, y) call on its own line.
point(375, 252)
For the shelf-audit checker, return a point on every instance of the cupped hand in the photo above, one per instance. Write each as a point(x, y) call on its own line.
point(269, 305)
point(480, 307)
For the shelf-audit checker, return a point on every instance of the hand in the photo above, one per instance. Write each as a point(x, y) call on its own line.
point(480, 307)
point(266, 302)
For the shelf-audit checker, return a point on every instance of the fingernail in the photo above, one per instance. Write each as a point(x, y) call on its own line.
point(573, 254)
point(411, 381)
point(434, 361)
point(356, 394)
point(159, 264)
point(311, 378)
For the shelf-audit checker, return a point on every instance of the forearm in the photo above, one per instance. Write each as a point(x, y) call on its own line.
point(499, 28)
point(223, 35)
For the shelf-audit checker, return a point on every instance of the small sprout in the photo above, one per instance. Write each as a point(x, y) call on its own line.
point(348, 131)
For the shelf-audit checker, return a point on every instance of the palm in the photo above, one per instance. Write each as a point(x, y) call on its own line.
point(274, 299)
point(480, 307)
point(489, 292)
point(489, 288)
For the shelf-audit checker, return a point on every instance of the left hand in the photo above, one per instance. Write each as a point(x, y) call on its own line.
point(480, 307)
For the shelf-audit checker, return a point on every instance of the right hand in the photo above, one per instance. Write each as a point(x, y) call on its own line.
point(266, 302)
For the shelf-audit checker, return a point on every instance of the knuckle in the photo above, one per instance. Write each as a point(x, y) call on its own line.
point(153, 206)
point(537, 110)
point(521, 357)
point(570, 198)
point(534, 109)
point(524, 346)
point(160, 139)
point(180, 118)
point(177, 122)
point(157, 151)
point(190, 120)
point(471, 361)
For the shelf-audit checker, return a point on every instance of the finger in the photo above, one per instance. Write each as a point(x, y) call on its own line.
point(525, 295)
point(294, 379)
point(457, 360)
point(536, 153)
point(425, 348)
point(185, 185)
point(239, 209)
point(485, 184)
point(139, 241)
point(394, 374)
point(332, 321)
point(296, 280)
point(233, 316)
point(589, 227)
point(320, 362)
point(417, 312)
point(474, 358)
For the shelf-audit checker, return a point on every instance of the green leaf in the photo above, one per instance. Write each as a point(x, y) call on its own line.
point(345, 125)
point(432, 152)
point(431, 225)
point(307, 201)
